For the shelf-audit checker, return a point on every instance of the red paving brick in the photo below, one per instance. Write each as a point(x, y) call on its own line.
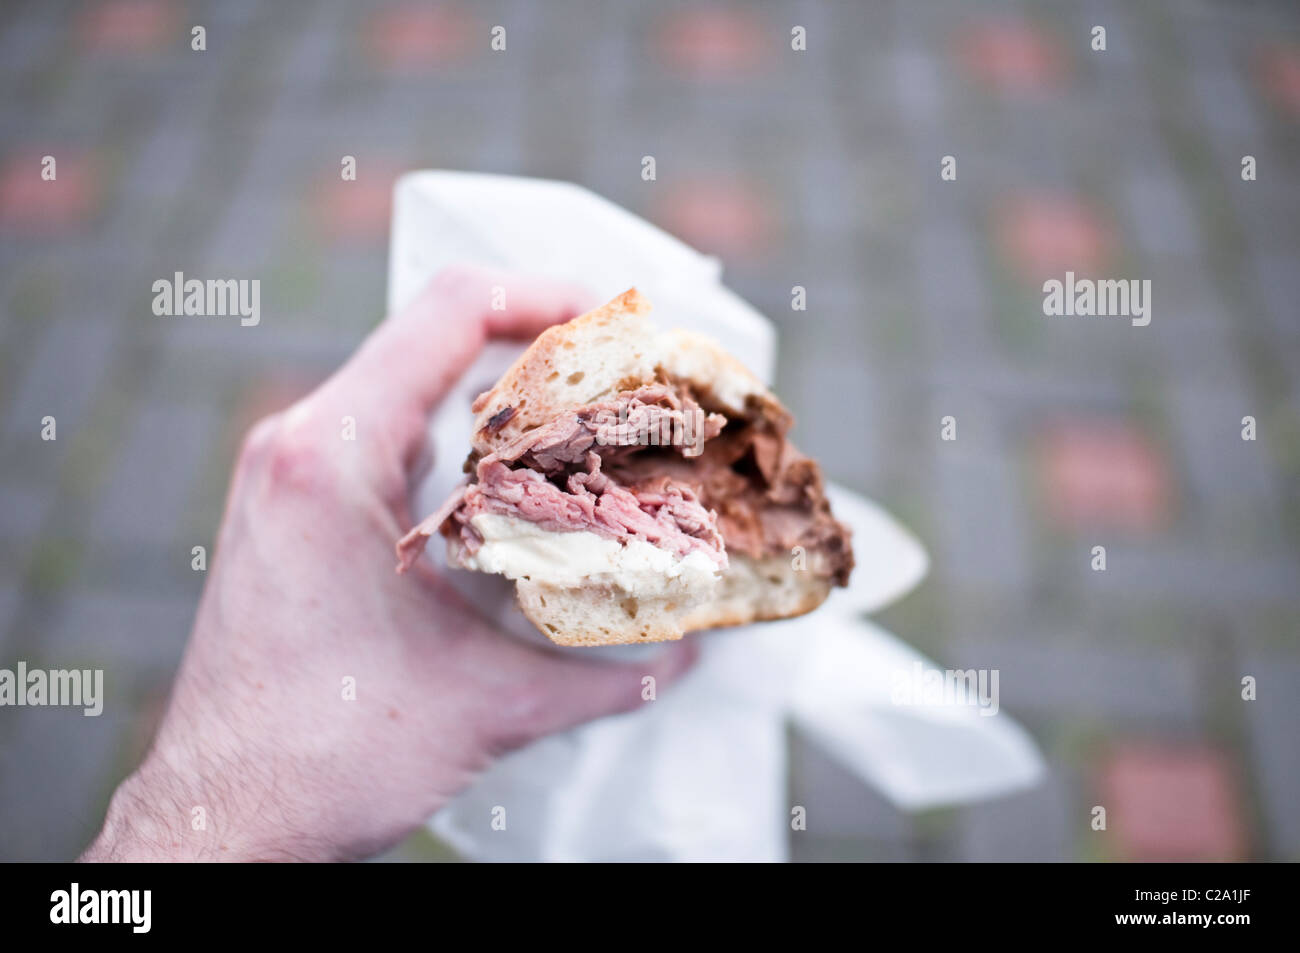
point(1173, 803)
point(717, 215)
point(1044, 235)
point(357, 210)
point(1278, 72)
point(716, 43)
point(1104, 474)
point(417, 37)
point(31, 204)
point(131, 26)
point(1013, 56)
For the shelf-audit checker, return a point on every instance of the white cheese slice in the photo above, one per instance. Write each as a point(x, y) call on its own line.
point(518, 549)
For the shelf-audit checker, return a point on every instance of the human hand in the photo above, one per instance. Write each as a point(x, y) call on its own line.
point(302, 595)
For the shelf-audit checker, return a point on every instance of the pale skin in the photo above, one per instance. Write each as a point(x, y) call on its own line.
point(302, 594)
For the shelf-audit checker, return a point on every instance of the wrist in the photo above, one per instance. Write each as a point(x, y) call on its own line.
point(146, 821)
point(164, 814)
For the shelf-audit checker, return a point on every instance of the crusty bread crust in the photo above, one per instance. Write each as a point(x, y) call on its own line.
point(750, 591)
point(601, 615)
point(759, 590)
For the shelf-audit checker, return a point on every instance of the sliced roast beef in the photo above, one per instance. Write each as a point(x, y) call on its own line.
point(551, 476)
point(654, 415)
point(412, 544)
point(768, 497)
point(651, 464)
point(668, 515)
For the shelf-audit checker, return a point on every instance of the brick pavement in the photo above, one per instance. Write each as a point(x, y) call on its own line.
point(819, 169)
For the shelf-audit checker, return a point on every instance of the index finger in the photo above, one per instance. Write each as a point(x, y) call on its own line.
point(385, 392)
point(412, 359)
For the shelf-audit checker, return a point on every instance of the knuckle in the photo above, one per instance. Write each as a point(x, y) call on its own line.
point(288, 452)
point(296, 461)
point(459, 282)
point(256, 441)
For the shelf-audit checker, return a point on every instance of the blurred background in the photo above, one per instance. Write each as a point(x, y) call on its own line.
point(818, 169)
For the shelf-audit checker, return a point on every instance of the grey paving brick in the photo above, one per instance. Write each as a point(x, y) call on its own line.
point(1277, 284)
point(1232, 484)
point(918, 86)
point(245, 232)
point(841, 806)
point(1072, 675)
point(57, 770)
point(977, 498)
point(23, 510)
point(25, 43)
point(1216, 573)
point(60, 379)
point(1218, 85)
point(1271, 722)
point(1158, 214)
point(136, 637)
point(841, 427)
point(166, 159)
point(155, 475)
point(10, 601)
point(1035, 826)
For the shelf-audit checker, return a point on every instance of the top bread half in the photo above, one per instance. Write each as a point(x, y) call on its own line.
point(599, 354)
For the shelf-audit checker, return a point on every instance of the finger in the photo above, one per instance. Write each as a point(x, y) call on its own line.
point(574, 690)
point(387, 390)
point(411, 360)
point(529, 305)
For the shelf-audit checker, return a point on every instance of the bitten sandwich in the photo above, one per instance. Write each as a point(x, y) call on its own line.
point(637, 485)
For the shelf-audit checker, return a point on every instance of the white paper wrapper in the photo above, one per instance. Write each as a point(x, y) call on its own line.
point(699, 774)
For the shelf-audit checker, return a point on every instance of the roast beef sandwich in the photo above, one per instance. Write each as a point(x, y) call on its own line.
point(637, 485)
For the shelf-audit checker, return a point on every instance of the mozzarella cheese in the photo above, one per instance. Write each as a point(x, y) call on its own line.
point(518, 549)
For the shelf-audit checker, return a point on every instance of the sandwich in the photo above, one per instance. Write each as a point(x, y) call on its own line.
point(636, 485)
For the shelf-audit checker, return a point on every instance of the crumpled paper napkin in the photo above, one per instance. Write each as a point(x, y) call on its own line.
point(699, 773)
